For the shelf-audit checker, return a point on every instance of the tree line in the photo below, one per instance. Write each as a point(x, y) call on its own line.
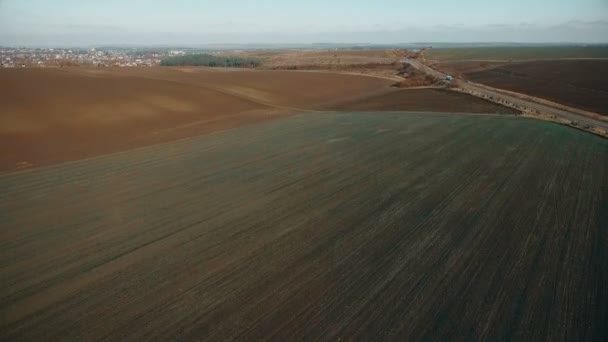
point(210, 61)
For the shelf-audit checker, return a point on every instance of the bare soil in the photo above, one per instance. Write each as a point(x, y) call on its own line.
point(424, 100)
point(328, 57)
point(384, 63)
point(54, 115)
point(62, 114)
point(577, 83)
point(517, 53)
point(460, 69)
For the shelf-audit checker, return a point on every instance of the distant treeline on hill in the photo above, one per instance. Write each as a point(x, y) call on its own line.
point(210, 61)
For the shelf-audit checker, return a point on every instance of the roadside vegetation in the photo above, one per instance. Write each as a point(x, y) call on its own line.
point(211, 61)
point(414, 78)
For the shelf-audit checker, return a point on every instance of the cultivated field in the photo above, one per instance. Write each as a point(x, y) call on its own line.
point(53, 115)
point(316, 226)
point(577, 83)
point(460, 69)
point(501, 53)
point(383, 63)
point(325, 58)
point(424, 100)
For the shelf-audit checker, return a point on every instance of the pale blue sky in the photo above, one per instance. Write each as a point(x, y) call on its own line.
point(240, 21)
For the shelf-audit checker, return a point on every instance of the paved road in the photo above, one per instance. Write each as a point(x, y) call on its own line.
point(487, 91)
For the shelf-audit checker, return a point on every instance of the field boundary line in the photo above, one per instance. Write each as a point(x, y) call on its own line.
point(287, 116)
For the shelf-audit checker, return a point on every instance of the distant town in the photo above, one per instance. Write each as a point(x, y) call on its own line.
point(101, 57)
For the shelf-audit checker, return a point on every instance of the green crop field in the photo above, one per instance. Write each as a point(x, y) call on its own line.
point(517, 53)
point(321, 226)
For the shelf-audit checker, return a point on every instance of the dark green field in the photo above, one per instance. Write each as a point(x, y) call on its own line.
point(517, 52)
point(318, 226)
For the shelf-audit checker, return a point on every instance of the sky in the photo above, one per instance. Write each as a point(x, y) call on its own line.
point(190, 22)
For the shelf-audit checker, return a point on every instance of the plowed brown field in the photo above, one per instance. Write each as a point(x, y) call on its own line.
point(423, 100)
point(580, 84)
point(53, 115)
point(56, 115)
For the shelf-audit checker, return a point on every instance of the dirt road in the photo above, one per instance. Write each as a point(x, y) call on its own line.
point(540, 105)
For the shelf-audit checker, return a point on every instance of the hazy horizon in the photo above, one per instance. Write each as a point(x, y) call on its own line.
point(192, 23)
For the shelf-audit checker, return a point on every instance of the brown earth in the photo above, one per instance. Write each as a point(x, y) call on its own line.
point(326, 57)
point(460, 69)
point(53, 115)
point(577, 83)
point(383, 63)
point(413, 77)
point(424, 100)
point(316, 227)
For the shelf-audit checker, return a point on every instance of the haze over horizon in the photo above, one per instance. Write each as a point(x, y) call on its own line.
point(188, 22)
